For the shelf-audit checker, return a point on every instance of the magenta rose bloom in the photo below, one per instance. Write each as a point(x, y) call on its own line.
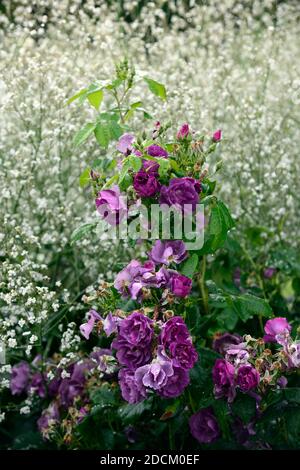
point(204, 426)
point(151, 167)
point(19, 378)
point(269, 273)
point(182, 193)
point(154, 375)
point(174, 330)
point(111, 205)
point(130, 390)
point(274, 327)
point(136, 329)
point(156, 151)
point(223, 377)
point(247, 377)
point(217, 135)
point(145, 184)
point(183, 131)
point(183, 354)
point(168, 252)
point(180, 285)
point(176, 383)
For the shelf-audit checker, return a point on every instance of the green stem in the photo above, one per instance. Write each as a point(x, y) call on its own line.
point(202, 286)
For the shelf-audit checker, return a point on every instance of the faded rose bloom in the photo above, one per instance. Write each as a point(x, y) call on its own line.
point(174, 330)
point(125, 277)
point(217, 135)
point(223, 377)
point(134, 277)
point(111, 205)
point(168, 252)
point(293, 352)
point(156, 151)
point(204, 426)
point(154, 375)
point(110, 324)
point(223, 342)
point(87, 328)
point(130, 390)
point(73, 386)
point(20, 378)
point(125, 145)
point(176, 383)
point(183, 354)
point(145, 184)
point(180, 285)
point(183, 131)
point(48, 419)
point(247, 378)
point(182, 193)
point(37, 385)
point(276, 327)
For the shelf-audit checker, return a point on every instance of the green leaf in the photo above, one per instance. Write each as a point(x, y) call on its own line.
point(189, 266)
point(115, 130)
point(84, 133)
point(247, 306)
point(95, 98)
point(102, 134)
point(244, 407)
point(156, 88)
point(132, 412)
point(84, 178)
point(164, 165)
point(220, 222)
point(77, 95)
point(135, 162)
point(81, 231)
point(104, 396)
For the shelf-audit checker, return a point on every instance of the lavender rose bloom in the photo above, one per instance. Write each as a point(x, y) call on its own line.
point(154, 375)
point(223, 342)
point(183, 354)
point(180, 285)
point(204, 426)
point(247, 377)
point(130, 390)
point(174, 330)
point(48, 419)
point(87, 328)
point(37, 385)
point(183, 131)
point(176, 383)
point(156, 151)
point(223, 377)
point(19, 378)
point(136, 329)
point(274, 327)
point(111, 205)
point(145, 184)
point(168, 252)
point(125, 146)
point(181, 193)
point(134, 277)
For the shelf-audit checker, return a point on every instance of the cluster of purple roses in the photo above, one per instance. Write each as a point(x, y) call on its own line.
point(136, 278)
point(64, 389)
point(250, 367)
point(153, 356)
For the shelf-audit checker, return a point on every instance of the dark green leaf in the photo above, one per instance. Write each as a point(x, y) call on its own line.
point(84, 133)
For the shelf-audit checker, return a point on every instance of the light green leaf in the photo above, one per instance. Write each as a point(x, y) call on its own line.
point(84, 178)
point(156, 88)
point(77, 95)
point(164, 165)
point(81, 231)
point(95, 98)
point(83, 133)
point(135, 162)
point(102, 134)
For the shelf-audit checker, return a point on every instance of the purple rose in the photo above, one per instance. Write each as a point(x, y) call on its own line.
point(168, 252)
point(111, 205)
point(110, 324)
point(125, 277)
point(217, 135)
point(223, 377)
point(274, 327)
point(174, 330)
point(134, 277)
point(125, 146)
point(204, 426)
point(176, 383)
point(37, 385)
point(136, 329)
point(87, 328)
point(181, 193)
point(131, 356)
point(151, 167)
point(156, 151)
point(130, 390)
point(223, 342)
point(101, 359)
point(145, 184)
point(154, 375)
point(247, 377)
point(48, 419)
point(180, 285)
point(269, 273)
point(73, 386)
point(282, 382)
point(183, 131)
point(20, 378)
point(183, 354)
